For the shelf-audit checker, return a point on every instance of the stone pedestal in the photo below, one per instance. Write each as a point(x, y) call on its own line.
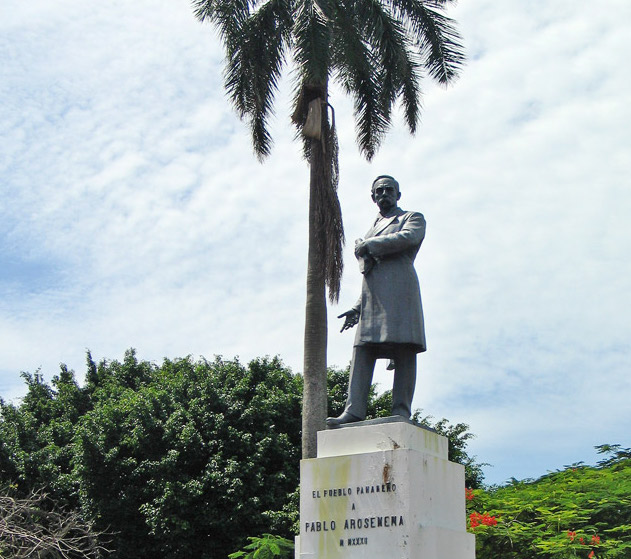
point(382, 490)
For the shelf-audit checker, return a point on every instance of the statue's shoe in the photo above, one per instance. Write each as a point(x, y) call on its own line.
point(341, 420)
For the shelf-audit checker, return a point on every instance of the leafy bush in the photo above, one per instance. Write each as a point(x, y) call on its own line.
point(579, 512)
point(267, 547)
point(180, 460)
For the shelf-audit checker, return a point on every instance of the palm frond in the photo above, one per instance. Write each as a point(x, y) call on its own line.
point(255, 43)
point(411, 95)
point(355, 67)
point(227, 15)
point(444, 53)
point(440, 4)
point(398, 64)
point(327, 212)
point(376, 64)
point(436, 36)
point(312, 41)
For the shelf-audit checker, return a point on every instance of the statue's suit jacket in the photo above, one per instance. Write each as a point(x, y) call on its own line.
point(390, 303)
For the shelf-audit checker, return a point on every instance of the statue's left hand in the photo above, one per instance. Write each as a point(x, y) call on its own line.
point(361, 249)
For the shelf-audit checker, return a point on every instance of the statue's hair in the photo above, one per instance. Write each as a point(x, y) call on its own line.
point(396, 183)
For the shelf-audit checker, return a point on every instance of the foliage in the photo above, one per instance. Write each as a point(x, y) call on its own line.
point(33, 527)
point(36, 438)
point(183, 459)
point(616, 453)
point(376, 51)
point(579, 512)
point(178, 460)
point(186, 458)
point(267, 547)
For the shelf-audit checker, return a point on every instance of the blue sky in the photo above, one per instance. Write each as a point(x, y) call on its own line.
point(134, 214)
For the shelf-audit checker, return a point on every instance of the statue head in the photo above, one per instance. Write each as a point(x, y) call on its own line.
point(385, 192)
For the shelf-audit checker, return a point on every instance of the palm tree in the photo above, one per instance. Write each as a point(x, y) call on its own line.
point(377, 50)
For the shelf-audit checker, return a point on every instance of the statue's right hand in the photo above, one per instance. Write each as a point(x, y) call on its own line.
point(352, 318)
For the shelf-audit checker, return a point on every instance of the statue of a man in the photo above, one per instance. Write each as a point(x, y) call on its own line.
point(389, 310)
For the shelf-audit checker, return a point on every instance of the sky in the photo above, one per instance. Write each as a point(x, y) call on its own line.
point(133, 213)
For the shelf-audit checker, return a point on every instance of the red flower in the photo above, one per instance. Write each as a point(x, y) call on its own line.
point(581, 540)
point(592, 554)
point(475, 519)
point(468, 493)
point(571, 535)
point(595, 540)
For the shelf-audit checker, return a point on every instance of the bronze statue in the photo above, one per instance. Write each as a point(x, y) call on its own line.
point(389, 311)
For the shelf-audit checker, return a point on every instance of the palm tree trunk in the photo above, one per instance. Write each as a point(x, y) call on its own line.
point(314, 399)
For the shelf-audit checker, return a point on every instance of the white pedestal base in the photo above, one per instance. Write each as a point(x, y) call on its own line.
point(382, 491)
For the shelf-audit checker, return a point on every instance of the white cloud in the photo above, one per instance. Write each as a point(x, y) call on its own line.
point(134, 214)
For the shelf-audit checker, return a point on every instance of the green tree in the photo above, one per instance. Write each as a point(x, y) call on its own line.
point(182, 459)
point(376, 50)
point(178, 460)
point(192, 458)
point(579, 512)
point(266, 547)
point(36, 437)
